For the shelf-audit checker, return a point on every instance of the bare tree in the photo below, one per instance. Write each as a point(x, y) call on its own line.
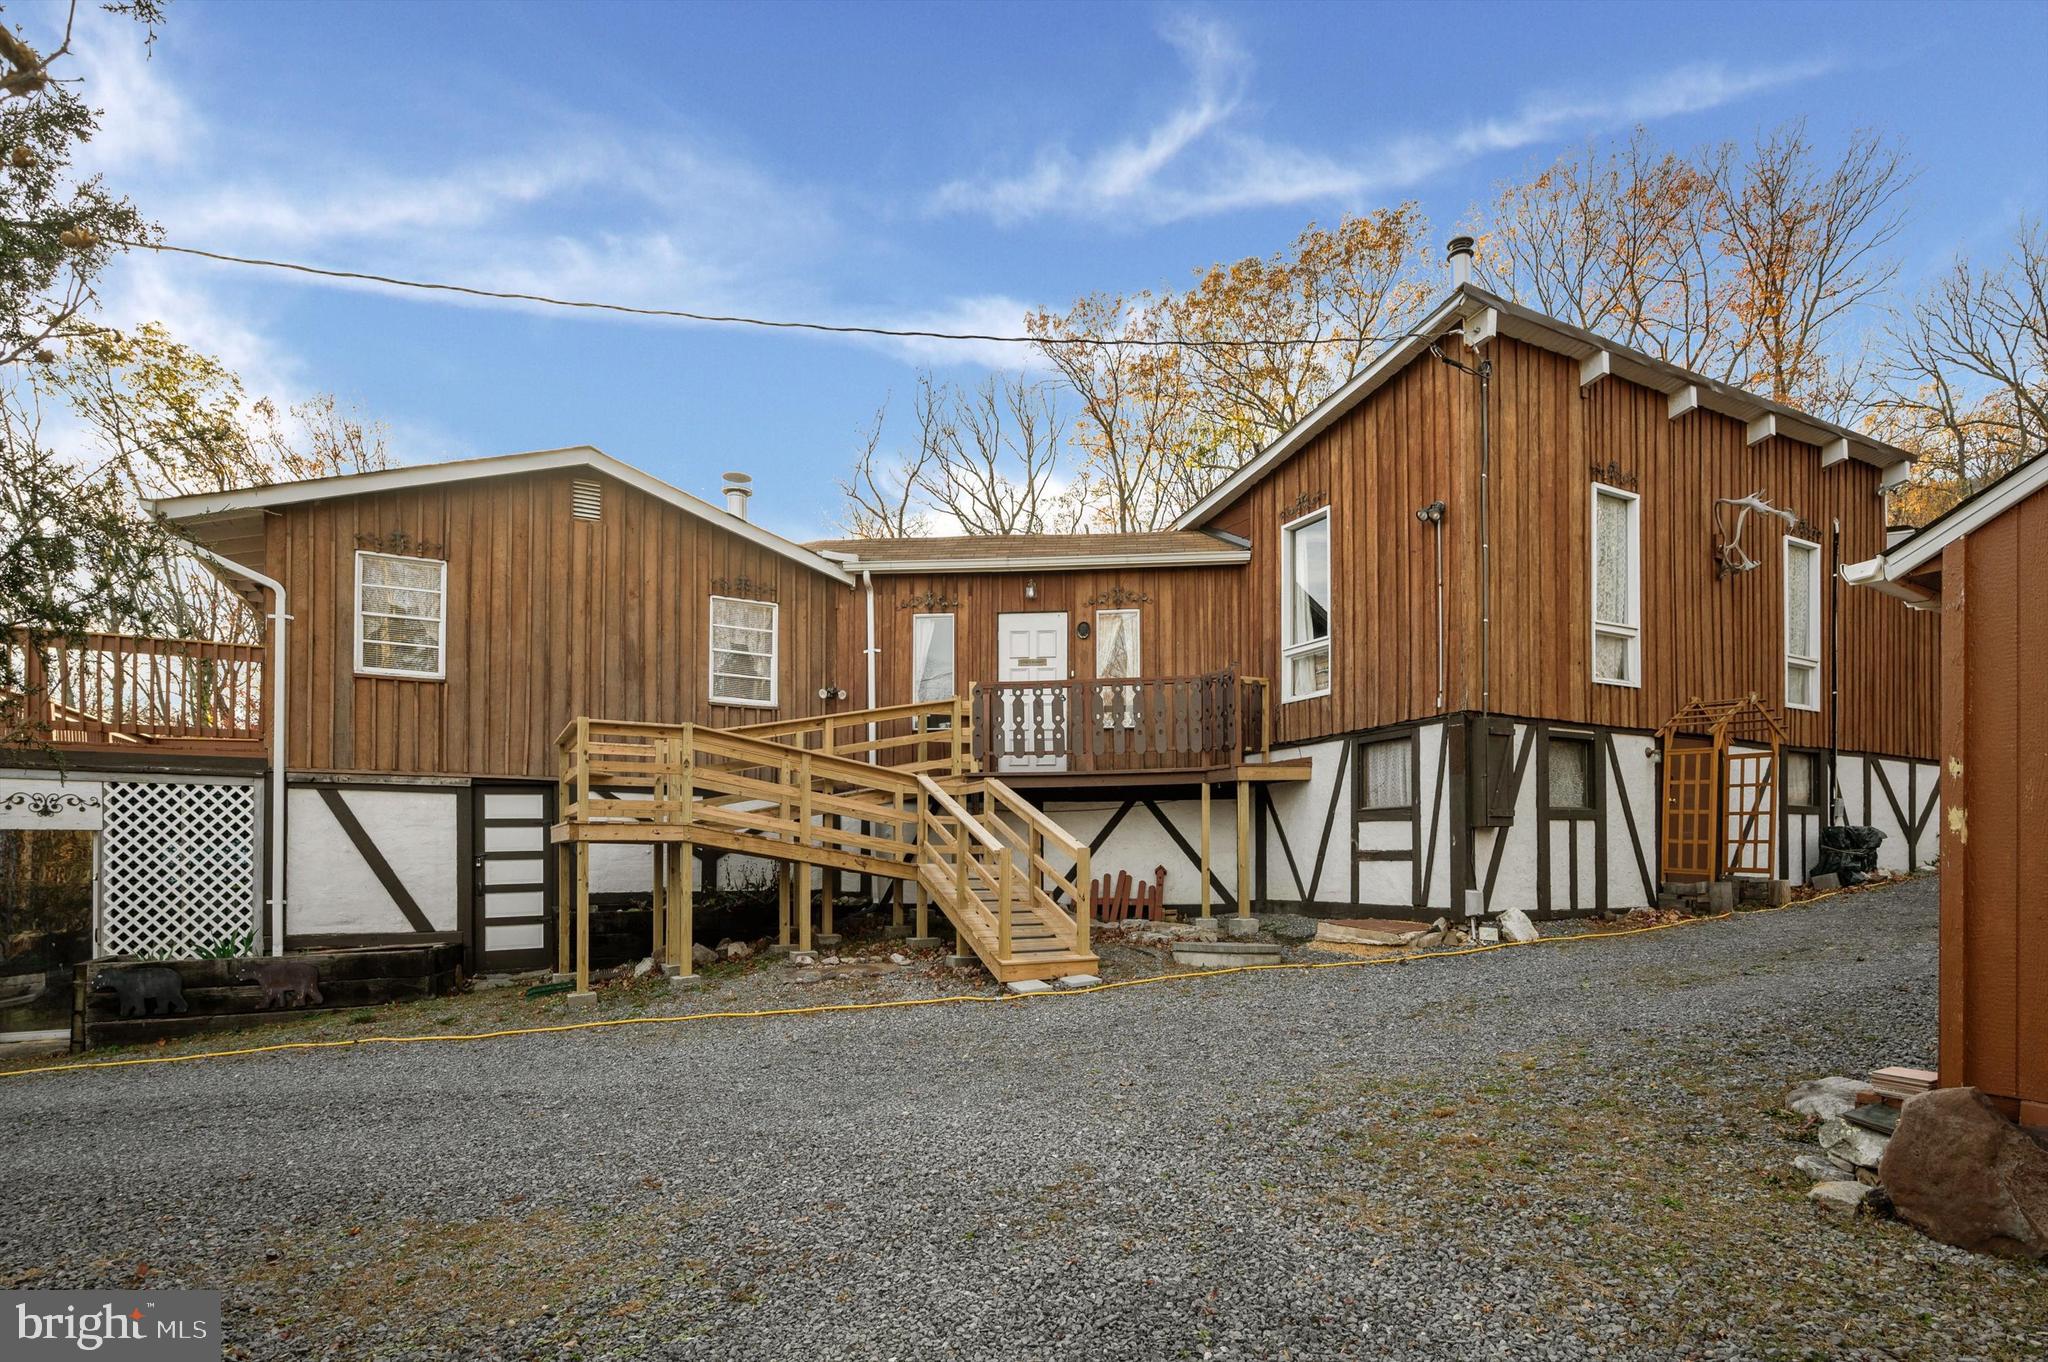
point(996, 457)
point(882, 497)
point(1966, 376)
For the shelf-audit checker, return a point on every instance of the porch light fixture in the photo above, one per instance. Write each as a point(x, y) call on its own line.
point(1030, 588)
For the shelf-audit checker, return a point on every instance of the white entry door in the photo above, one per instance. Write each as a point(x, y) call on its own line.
point(1032, 727)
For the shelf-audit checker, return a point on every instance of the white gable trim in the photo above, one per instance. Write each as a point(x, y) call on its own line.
point(1994, 501)
point(207, 504)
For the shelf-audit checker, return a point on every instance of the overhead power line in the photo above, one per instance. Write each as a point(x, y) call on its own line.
point(775, 324)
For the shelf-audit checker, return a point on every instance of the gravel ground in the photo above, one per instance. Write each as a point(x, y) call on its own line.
point(1546, 1153)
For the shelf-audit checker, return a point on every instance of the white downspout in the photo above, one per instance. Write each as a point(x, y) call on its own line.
point(867, 580)
point(279, 618)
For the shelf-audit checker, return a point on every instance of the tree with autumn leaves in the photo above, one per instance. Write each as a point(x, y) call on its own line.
point(1767, 265)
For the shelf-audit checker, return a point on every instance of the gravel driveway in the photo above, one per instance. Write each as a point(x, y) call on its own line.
point(1558, 1152)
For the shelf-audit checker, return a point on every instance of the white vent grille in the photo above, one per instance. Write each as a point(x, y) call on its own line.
point(178, 870)
point(586, 499)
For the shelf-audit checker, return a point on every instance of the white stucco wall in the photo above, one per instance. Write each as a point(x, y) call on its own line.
point(332, 890)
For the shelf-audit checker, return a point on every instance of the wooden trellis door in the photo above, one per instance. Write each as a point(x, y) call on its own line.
point(1692, 788)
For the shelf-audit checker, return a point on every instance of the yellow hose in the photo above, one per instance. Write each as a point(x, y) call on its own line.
point(1000, 999)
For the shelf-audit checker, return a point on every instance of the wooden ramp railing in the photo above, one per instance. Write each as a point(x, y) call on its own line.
point(816, 792)
point(990, 876)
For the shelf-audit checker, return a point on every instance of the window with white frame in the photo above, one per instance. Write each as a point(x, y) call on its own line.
point(1116, 654)
point(401, 615)
point(931, 663)
point(1802, 624)
point(1617, 588)
point(743, 649)
point(1305, 606)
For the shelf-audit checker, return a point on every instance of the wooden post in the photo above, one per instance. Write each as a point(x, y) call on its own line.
point(565, 890)
point(583, 919)
point(684, 942)
point(803, 900)
point(1244, 848)
point(782, 903)
point(1084, 902)
point(827, 883)
point(659, 903)
point(1003, 908)
point(1206, 912)
point(923, 913)
point(803, 908)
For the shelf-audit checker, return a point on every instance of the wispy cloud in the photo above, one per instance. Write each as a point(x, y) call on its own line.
point(1203, 157)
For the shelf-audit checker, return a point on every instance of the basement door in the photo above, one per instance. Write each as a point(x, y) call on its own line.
point(1691, 827)
point(514, 877)
point(1032, 726)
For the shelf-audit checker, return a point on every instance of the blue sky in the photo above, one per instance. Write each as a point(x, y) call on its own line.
point(905, 164)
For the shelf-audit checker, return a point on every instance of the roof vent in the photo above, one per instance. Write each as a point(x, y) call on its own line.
point(738, 487)
point(586, 499)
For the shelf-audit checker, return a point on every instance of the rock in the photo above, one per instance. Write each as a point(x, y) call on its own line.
point(898, 958)
point(1516, 927)
point(703, 955)
point(1821, 1168)
point(1824, 1097)
point(1959, 1171)
point(1852, 1143)
point(831, 959)
point(736, 950)
point(645, 968)
point(802, 959)
point(1845, 1198)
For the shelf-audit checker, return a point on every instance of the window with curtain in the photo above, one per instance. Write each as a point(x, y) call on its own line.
point(1802, 624)
point(1305, 607)
point(1386, 768)
point(743, 646)
point(931, 662)
point(1571, 774)
point(1617, 577)
point(401, 615)
point(1116, 654)
point(1802, 780)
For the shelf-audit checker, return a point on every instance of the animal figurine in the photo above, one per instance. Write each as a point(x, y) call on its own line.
point(139, 986)
point(286, 983)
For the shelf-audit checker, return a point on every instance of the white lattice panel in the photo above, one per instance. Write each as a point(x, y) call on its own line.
point(178, 867)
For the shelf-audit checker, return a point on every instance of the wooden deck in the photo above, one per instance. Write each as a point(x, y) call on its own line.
point(141, 695)
point(1142, 726)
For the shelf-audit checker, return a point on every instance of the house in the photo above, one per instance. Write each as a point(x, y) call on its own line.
point(1416, 658)
point(1975, 566)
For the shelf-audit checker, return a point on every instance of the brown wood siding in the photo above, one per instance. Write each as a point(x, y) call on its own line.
point(1415, 440)
point(1189, 620)
point(549, 617)
point(1994, 918)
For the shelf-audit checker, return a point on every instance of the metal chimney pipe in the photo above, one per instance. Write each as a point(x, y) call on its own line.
point(737, 490)
point(1459, 253)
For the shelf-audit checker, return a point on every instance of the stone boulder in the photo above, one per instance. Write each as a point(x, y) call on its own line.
point(1843, 1198)
point(1959, 1171)
point(703, 954)
point(1515, 926)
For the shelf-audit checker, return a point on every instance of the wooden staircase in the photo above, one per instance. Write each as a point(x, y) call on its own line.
point(884, 792)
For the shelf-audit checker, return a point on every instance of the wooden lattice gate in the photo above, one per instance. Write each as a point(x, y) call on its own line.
point(1752, 812)
point(179, 867)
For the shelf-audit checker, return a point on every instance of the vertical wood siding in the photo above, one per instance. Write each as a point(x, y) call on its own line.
point(549, 617)
point(1994, 918)
point(1415, 440)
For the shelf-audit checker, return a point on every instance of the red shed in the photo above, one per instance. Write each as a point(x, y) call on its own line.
point(1984, 565)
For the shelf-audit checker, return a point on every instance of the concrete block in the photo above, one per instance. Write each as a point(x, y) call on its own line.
point(1225, 954)
point(1078, 981)
point(827, 940)
point(1780, 893)
point(584, 998)
point(922, 943)
point(685, 983)
point(1824, 883)
point(1028, 986)
point(963, 961)
point(896, 933)
point(1721, 896)
point(1241, 927)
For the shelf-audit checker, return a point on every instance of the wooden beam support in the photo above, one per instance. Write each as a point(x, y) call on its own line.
point(683, 938)
point(1762, 429)
point(1595, 367)
point(1895, 474)
point(583, 920)
point(1834, 451)
point(1244, 847)
point(1684, 400)
point(782, 869)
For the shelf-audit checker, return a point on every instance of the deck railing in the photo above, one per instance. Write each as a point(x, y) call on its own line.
point(131, 690)
point(1171, 723)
